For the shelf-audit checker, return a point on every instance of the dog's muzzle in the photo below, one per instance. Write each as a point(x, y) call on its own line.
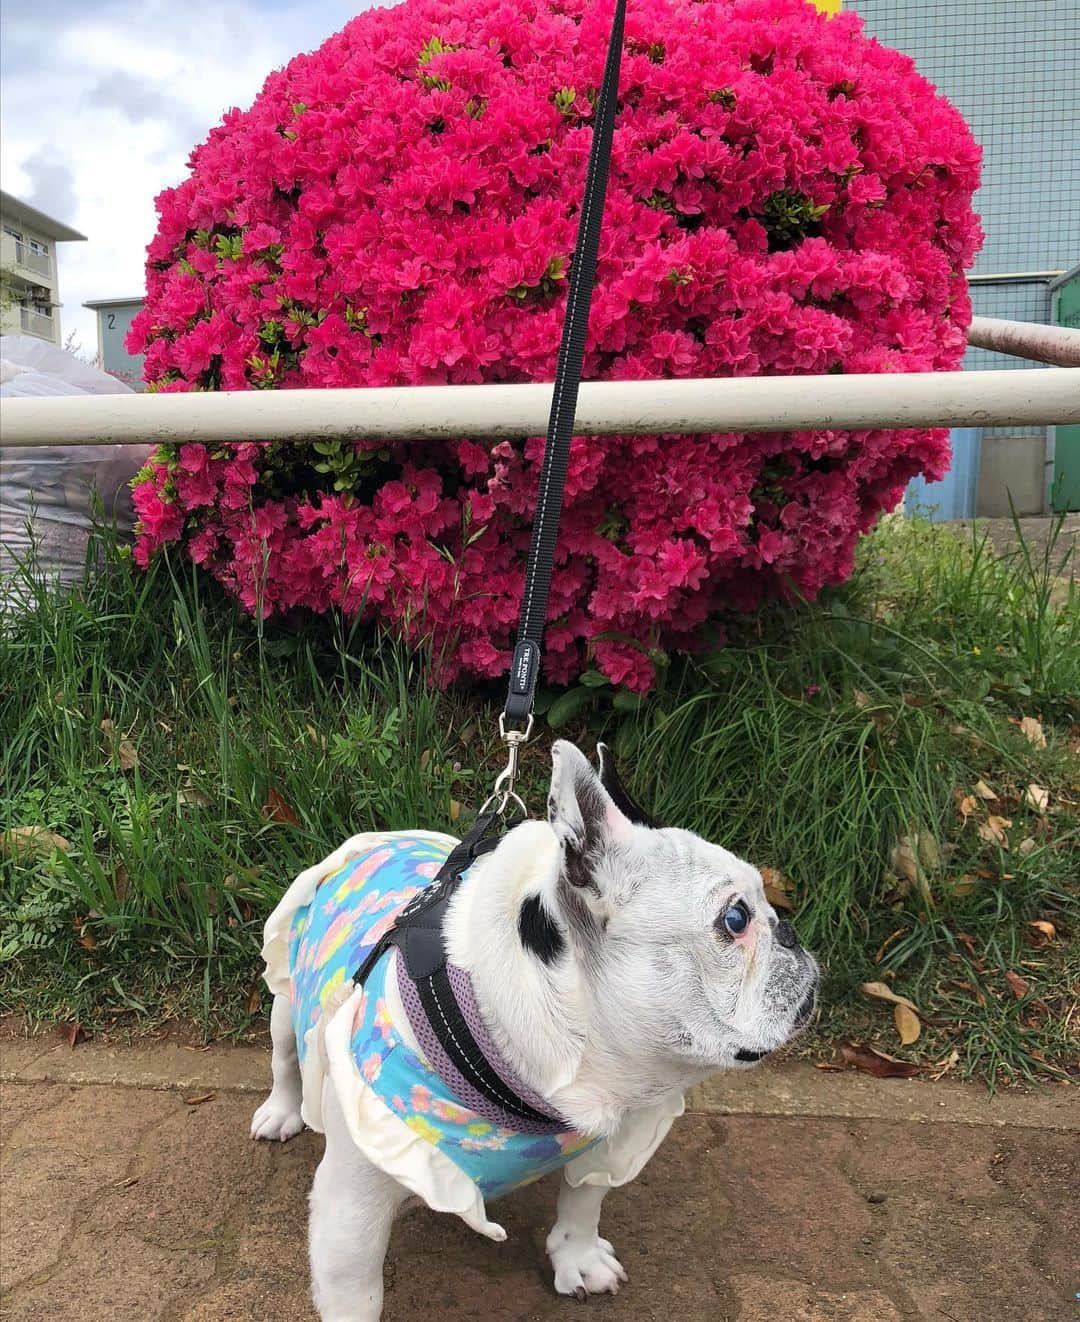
point(807, 1006)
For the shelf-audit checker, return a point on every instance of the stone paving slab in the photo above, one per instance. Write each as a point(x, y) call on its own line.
point(784, 1087)
point(127, 1203)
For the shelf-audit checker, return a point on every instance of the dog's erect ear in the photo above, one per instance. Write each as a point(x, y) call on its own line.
point(609, 778)
point(581, 812)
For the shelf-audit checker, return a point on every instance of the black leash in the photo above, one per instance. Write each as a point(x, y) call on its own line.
point(525, 666)
point(418, 931)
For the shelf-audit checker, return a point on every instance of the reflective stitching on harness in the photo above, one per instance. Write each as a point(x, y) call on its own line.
point(510, 1106)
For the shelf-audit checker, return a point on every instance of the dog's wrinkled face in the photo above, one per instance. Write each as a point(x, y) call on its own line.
point(683, 953)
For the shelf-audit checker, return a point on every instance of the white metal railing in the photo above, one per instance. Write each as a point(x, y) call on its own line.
point(887, 400)
point(33, 261)
point(36, 323)
point(1025, 339)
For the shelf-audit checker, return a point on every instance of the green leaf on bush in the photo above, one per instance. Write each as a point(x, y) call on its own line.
point(570, 704)
point(544, 700)
point(593, 679)
point(625, 701)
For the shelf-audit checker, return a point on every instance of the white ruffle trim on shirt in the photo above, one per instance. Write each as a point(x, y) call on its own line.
point(618, 1159)
point(388, 1142)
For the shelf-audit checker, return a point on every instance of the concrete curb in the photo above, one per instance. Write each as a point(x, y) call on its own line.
point(787, 1088)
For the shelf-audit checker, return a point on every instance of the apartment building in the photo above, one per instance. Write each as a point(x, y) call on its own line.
point(30, 290)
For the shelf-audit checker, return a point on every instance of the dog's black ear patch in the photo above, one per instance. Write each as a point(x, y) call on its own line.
point(609, 778)
point(539, 932)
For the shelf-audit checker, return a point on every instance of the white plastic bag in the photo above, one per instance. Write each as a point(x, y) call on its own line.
point(47, 495)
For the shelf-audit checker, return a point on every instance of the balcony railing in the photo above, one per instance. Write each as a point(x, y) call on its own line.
point(38, 262)
point(36, 323)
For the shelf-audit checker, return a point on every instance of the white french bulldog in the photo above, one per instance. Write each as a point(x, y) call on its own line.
point(604, 966)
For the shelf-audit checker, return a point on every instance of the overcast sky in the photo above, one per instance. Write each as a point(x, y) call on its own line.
point(102, 100)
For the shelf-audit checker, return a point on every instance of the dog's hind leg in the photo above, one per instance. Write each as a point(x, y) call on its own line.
point(353, 1205)
point(584, 1263)
point(279, 1115)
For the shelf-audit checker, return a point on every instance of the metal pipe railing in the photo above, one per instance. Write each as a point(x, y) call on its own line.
point(843, 403)
point(1059, 345)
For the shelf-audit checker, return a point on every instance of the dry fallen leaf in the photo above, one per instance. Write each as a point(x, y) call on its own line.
point(904, 859)
point(71, 1033)
point(275, 809)
point(914, 856)
point(929, 851)
point(993, 830)
point(127, 755)
point(861, 699)
point(120, 882)
point(1025, 847)
point(34, 840)
point(873, 1062)
point(961, 886)
point(254, 1000)
point(944, 1065)
point(455, 810)
point(777, 889)
point(1032, 731)
point(1045, 929)
point(963, 986)
point(907, 1024)
point(1036, 797)
point(967, 805)
point(887, 943)
point(1017, 983)
point(187, 796)
point(883, 992)
point(983, 790)
point(198, 1101)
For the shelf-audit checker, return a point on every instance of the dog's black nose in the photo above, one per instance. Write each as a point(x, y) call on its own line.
point(785, 934)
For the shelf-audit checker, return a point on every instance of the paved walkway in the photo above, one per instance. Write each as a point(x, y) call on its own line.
point(1037, 531)
point(786, 1195)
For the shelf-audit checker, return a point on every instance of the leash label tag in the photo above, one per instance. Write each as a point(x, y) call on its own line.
point(523, 667)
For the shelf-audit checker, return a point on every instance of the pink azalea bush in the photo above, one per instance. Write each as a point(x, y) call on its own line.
point(400, 207)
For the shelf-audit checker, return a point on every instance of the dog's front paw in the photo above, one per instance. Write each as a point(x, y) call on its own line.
point(584, 1266)
point(276, 1120)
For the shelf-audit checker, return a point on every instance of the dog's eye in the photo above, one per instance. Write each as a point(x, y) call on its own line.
point(735, 918)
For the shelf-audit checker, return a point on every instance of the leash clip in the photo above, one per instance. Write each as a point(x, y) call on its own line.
point(503, 794)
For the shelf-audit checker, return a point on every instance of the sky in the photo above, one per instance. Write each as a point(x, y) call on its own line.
point(102, 100)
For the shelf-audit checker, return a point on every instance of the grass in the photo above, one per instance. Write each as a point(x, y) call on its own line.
point(192, 761)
